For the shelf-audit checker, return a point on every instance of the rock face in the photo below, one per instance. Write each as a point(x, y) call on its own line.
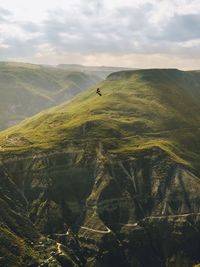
point(125, 211)
point(106, 181)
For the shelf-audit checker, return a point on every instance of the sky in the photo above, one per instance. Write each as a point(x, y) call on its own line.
point(129, 33)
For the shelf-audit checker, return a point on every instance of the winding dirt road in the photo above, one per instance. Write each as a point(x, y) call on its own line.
point(97, 231)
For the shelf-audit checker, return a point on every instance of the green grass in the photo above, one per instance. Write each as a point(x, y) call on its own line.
point(139, 110)
point(26, 89)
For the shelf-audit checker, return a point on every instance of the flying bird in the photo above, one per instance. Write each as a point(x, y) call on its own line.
point(98, 92)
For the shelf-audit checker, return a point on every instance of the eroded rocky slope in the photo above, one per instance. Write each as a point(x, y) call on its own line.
point(95, 184)
point(119, 208)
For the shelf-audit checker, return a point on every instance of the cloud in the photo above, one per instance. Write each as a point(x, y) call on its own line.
point(182, 28)
point(30, 27)
point(4, 15)
point(111, 28)
point(108, 31)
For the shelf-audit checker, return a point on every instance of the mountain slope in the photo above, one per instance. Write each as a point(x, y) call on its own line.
point(119, 171)
point(138, 109)
point(26, 89)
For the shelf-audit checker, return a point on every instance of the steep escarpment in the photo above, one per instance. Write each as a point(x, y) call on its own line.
point(16, 228)
point(119, 208)
point(151, 206)
point(111, 180)
point(22, 240)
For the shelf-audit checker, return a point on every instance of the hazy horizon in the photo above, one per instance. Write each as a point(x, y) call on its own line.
point(97, 66)
point(133, 34)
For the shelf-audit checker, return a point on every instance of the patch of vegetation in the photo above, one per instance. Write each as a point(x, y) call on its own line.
point(138, 110)
point(26, 89)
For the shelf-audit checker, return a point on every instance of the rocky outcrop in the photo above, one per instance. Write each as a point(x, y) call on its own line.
point(140, 210)
point(151, 205)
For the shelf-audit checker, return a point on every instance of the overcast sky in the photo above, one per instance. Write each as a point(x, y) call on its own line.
point(132, 33)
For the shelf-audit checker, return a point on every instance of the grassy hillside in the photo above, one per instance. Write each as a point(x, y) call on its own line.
point(26, 89)
point(137, 111)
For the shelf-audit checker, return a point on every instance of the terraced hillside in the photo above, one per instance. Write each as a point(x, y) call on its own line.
point(26, 89)
point(110, 180)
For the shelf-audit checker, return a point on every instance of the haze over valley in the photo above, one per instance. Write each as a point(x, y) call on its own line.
point(26, 89)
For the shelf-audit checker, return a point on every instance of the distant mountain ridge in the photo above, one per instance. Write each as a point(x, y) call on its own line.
point(26, 89)
point(102, 71)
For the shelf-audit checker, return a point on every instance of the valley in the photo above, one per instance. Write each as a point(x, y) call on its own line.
point(26, 89)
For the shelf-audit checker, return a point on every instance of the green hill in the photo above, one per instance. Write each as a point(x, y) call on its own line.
point(138, 109)
point(26, 89)
point(120, 171)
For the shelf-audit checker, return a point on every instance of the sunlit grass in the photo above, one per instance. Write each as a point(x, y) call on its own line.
point(137, 111)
